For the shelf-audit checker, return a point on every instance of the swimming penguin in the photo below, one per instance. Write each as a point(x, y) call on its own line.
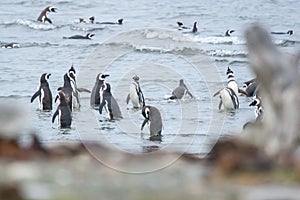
point(152, 116)
point(11, 45)
point(289, 32)
point(195, 28)
point(44, 93)
point(180, 26)
point(119, 22)
point(67, 91)
point(250, 87)
point(95, 95)
point(135, 94)
point(229, 32)
point(90, 20)
point(228, 95)
point(44, 14)
point(87, 36)
point(258, 108)
point(63, 112)
point(109, 103)
point(180, 91)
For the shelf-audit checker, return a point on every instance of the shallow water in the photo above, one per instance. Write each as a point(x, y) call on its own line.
point(147, 44)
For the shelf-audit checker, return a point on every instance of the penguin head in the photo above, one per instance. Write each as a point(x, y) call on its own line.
point(72, 73)
point(146, 112)
point(92, 19)
point(81, 20)
point(136, 78)
point(229, 32)
point(255, 102)
point(89, 35)
point(102, 77)
point(290, 32)
point(45, 77)
point(120, 21)
point(180, 24)
point(51, 9)
point(61, 96)
point(229, 71)
point(181, 81)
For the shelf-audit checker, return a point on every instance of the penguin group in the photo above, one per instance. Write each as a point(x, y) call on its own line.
point(68, 96)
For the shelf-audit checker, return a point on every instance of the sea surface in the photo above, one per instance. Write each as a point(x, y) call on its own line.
point(148, 44)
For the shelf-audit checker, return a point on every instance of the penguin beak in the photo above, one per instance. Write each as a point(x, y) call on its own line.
point(48, 76)
point(53, 9)
point(106, 75)
point(252, 103)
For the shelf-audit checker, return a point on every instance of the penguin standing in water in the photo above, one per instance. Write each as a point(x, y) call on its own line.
point(44, 93)
point(95, 95)
point(258, 108)
point(195, 27)
point(135, 94)
point(63, 112)
point(44, 14)
point(152, 116)
point(75, 89)
point(180, 91)
point(228, 95)
point(108, 102)
point(67, 91)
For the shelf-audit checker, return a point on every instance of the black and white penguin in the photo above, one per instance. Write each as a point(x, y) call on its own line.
point(63, 112)
point(135, 94)
point(250, 87)
point(180, 91)
point(90, 20)
point(228, 95)
point(44, 14)
point(87, 36)
point(44, 93)
point(95, 95)
point(109, 103)
point(67, 91)
point(181, 26)
point(229, 32)
point(153, 118)
point(119, 22)
point(258, 108)
point(11, 45)
point(289, 32)
point(195, 27)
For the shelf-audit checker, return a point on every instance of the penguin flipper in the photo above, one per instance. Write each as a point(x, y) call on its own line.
point(83, 90)
point(54, 116)
point(38, 93)
point(48, 20)
point(144, 123)
point(243, 92)
point(128, 98)
point(217, 93)
point(101, 106)
point(220, 104)
point(57, 96)
point(190, 94)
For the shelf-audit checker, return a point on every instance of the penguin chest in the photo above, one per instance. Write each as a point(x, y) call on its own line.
point(233, 86)
point(229, 99)
point(134, 96)
point(42, 99)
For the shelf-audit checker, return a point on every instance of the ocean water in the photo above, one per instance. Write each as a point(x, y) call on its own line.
point(149, 44)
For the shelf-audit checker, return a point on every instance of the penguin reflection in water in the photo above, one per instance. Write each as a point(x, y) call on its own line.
point(153, 119)
point(44, 93)
point(135, 94)
point(63, 112)
point(108, 102)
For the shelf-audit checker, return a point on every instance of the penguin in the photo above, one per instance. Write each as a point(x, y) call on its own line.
point(63, 112)
point(11, 45)
point(119, 22)
point(44, 93)
point(180, 26)
point(87, 36)
point(180, 91)
point(229, 32)
point(195, 28)
point(289, 32)
point(95, 95)
point(250, 87)
point(109, 103)
point(258, 108)
point(135, 94)
point(152, 116)
point(67, 91)
point(44, 14)
point(90, 20)
point(228, 95)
